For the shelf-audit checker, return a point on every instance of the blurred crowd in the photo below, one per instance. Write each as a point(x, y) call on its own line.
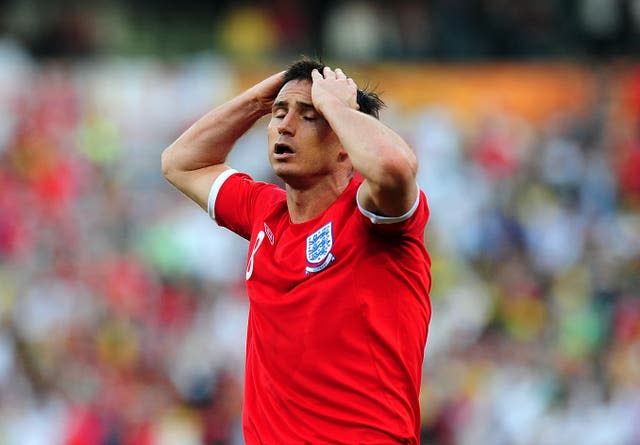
point(535, 235)
point(362, 30)
point(122, 306)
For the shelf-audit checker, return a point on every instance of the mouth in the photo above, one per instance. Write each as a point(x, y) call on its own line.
point(282, 150)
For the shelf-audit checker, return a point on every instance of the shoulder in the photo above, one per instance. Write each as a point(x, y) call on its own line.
point(237, 189)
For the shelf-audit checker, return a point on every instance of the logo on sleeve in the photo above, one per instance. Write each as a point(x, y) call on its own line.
point(269, 233)
point(319, 245)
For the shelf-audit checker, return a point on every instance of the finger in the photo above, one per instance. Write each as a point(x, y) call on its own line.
point(315, 75)
point(340, 74)
point(352, 83)
point(328, 74)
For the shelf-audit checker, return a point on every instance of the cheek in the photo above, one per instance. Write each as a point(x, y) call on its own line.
point(271, 127)
point(323, 133)
point(329, 141)
point(272, 133)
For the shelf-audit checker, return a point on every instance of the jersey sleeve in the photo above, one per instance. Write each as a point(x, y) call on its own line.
point(235, 200)
point(415, 220)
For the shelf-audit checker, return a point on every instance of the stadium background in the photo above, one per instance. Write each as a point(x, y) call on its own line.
point(122, 309)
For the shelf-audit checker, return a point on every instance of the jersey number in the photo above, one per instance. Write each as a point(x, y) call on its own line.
point(256, 246)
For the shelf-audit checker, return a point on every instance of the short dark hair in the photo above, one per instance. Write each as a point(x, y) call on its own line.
point(369, 101)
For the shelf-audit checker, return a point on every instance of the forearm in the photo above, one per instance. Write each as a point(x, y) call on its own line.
point(196, 158)
point(377, 152)
point(208, 141)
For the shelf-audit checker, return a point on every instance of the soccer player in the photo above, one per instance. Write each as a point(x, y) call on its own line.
point(337, 273)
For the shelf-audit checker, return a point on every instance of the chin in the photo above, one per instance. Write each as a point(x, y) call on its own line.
point(285, 172)
point(291, 176)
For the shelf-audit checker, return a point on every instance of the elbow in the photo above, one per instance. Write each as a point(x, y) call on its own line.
point(398, 171)
point(166, 164)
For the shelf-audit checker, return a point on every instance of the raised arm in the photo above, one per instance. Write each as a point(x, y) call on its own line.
point(382, 157)
point(197, 157)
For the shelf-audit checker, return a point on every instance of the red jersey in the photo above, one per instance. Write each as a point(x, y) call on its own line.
point(338, 318)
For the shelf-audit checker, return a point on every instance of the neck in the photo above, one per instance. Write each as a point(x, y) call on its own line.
point(309, 201)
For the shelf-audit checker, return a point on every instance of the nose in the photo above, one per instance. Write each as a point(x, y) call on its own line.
point(287, 124)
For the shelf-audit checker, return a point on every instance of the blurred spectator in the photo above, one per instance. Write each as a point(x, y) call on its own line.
point(356, 30)
point(293, 25)
point(249, 32)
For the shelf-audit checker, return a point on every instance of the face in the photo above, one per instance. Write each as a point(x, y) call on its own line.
point(302, 145)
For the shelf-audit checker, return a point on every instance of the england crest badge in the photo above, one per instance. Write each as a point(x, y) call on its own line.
point(319, 245)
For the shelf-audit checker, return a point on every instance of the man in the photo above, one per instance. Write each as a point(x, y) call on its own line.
point(337, 273)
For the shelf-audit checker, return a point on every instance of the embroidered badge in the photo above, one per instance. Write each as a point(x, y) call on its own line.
point(319, 245)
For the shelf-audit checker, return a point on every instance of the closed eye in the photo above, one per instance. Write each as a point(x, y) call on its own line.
point(279, 111)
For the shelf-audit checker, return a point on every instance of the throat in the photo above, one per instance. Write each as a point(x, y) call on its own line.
point(306, 204)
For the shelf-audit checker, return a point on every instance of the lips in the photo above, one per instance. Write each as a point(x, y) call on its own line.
point(282, 150)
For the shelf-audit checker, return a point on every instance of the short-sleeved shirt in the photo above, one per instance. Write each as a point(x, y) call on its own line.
point(338, 317)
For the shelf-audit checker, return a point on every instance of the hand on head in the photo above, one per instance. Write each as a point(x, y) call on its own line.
point(266, 91)
point(332, 85)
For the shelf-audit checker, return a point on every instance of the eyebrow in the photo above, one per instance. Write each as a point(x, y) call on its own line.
point(285, 104)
